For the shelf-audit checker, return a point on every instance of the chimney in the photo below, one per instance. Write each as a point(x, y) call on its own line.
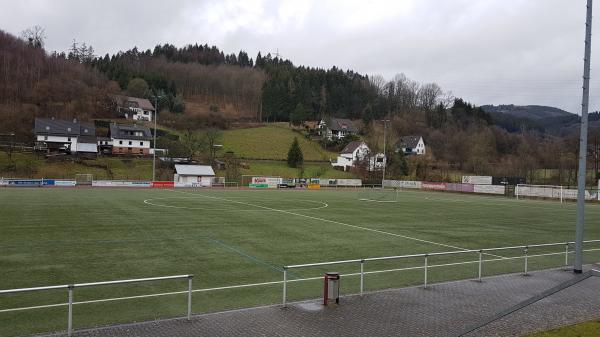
point(74, 120)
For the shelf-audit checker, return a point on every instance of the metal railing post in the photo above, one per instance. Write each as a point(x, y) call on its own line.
point(480, 264)
point(526, 260)
point(425, 272)
point(284, 286)
point(70, 314)
point(566, 254)
point(189, 304)
point(362, 276)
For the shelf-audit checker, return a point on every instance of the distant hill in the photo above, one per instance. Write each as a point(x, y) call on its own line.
point(533, 117)
point(534, 112)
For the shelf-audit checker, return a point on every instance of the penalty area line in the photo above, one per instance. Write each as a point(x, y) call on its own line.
point(332, 221)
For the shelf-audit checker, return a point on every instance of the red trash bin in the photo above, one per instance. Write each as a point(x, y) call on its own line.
point(331, 288)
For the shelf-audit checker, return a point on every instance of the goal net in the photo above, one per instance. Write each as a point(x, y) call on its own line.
point(84, 178)
point(378, 195)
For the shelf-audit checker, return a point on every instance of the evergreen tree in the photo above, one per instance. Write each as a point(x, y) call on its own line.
point(295, 157)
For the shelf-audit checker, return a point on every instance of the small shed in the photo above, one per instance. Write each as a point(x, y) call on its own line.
point(194, 175)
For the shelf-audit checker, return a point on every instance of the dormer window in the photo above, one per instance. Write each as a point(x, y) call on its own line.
point(69, 129)
point(47, 128)
point(85, 130)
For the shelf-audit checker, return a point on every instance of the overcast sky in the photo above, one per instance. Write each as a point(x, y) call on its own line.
point(486, 51)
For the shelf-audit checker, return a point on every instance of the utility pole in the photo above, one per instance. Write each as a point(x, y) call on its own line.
point(154, 145)
point(577, 265)
point(385, 121)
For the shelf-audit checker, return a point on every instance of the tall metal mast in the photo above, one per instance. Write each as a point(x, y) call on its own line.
point(577, 265)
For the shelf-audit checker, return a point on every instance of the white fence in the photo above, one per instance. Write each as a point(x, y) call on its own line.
point(453, 187)
point(478, 260)
point(553, 192)
point(71, 289)
point(426, 266)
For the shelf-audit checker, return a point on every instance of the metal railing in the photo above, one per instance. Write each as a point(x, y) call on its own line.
point(71, 288)
point(426, 266)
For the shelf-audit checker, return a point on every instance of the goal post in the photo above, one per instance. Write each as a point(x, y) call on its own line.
point(557, 192)
point(378, 194)
point(84, 178)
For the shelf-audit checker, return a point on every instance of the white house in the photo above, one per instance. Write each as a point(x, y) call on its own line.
point(411, 145)
point(65, 135)
point(336, 128)
point(377, 162)
point(138, 109)
point(129, 139)
point(194, 175)
point(353, 152)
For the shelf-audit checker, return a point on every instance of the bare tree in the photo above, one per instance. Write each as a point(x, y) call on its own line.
point(211, 137)
point(35, 36)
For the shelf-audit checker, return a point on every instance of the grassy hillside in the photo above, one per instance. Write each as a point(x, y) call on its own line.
point(271, 142)
point(280, 168)
point(32, 166)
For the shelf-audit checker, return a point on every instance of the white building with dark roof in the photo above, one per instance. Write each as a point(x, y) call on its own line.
point(138, 109)
point(352, 153)
point(194, 175)
point(65, 135)
point(337, 128)
point(411, 145)
point(130, 139)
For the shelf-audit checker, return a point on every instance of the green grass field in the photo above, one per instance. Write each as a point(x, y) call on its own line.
point(587, 329)
point(231, 237)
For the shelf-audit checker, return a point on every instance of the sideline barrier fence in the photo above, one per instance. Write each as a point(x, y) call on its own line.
point(71, 289)
point(121, 183)
point(426, 266)
point(163, 184)
point(477, 259)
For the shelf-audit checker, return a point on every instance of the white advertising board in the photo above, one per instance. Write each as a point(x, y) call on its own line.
point(489, 189)
point(65, 183)
point(120, 183)
point(477, 180)
point(402, 184)
point(270, 182)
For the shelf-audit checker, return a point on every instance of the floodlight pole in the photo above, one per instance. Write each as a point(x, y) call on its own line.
point(577, 265)
point(384, 152)
point(154, 146)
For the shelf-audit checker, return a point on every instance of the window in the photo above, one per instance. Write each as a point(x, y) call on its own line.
point(128, 149)
point(85, 130)
point(45, 137)
point(120, 142)
point(69, 129)
point(47, 128)
point(120, 149)
point(130, 142)
point(69, 139)
point(141, 151)
point(141, 143)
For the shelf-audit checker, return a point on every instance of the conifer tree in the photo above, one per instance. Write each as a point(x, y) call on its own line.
point(295, 157)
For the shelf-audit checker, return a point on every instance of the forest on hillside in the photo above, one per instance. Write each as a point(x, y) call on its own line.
point(77, 84)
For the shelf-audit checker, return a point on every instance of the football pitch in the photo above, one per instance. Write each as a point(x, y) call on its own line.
point(235, 237)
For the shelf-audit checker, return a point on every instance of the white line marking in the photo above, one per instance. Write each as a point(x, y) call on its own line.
point(330, 221)
point(371, 200)
point(150, 202)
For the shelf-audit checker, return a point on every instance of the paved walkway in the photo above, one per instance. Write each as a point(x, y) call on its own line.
point(441, 310)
